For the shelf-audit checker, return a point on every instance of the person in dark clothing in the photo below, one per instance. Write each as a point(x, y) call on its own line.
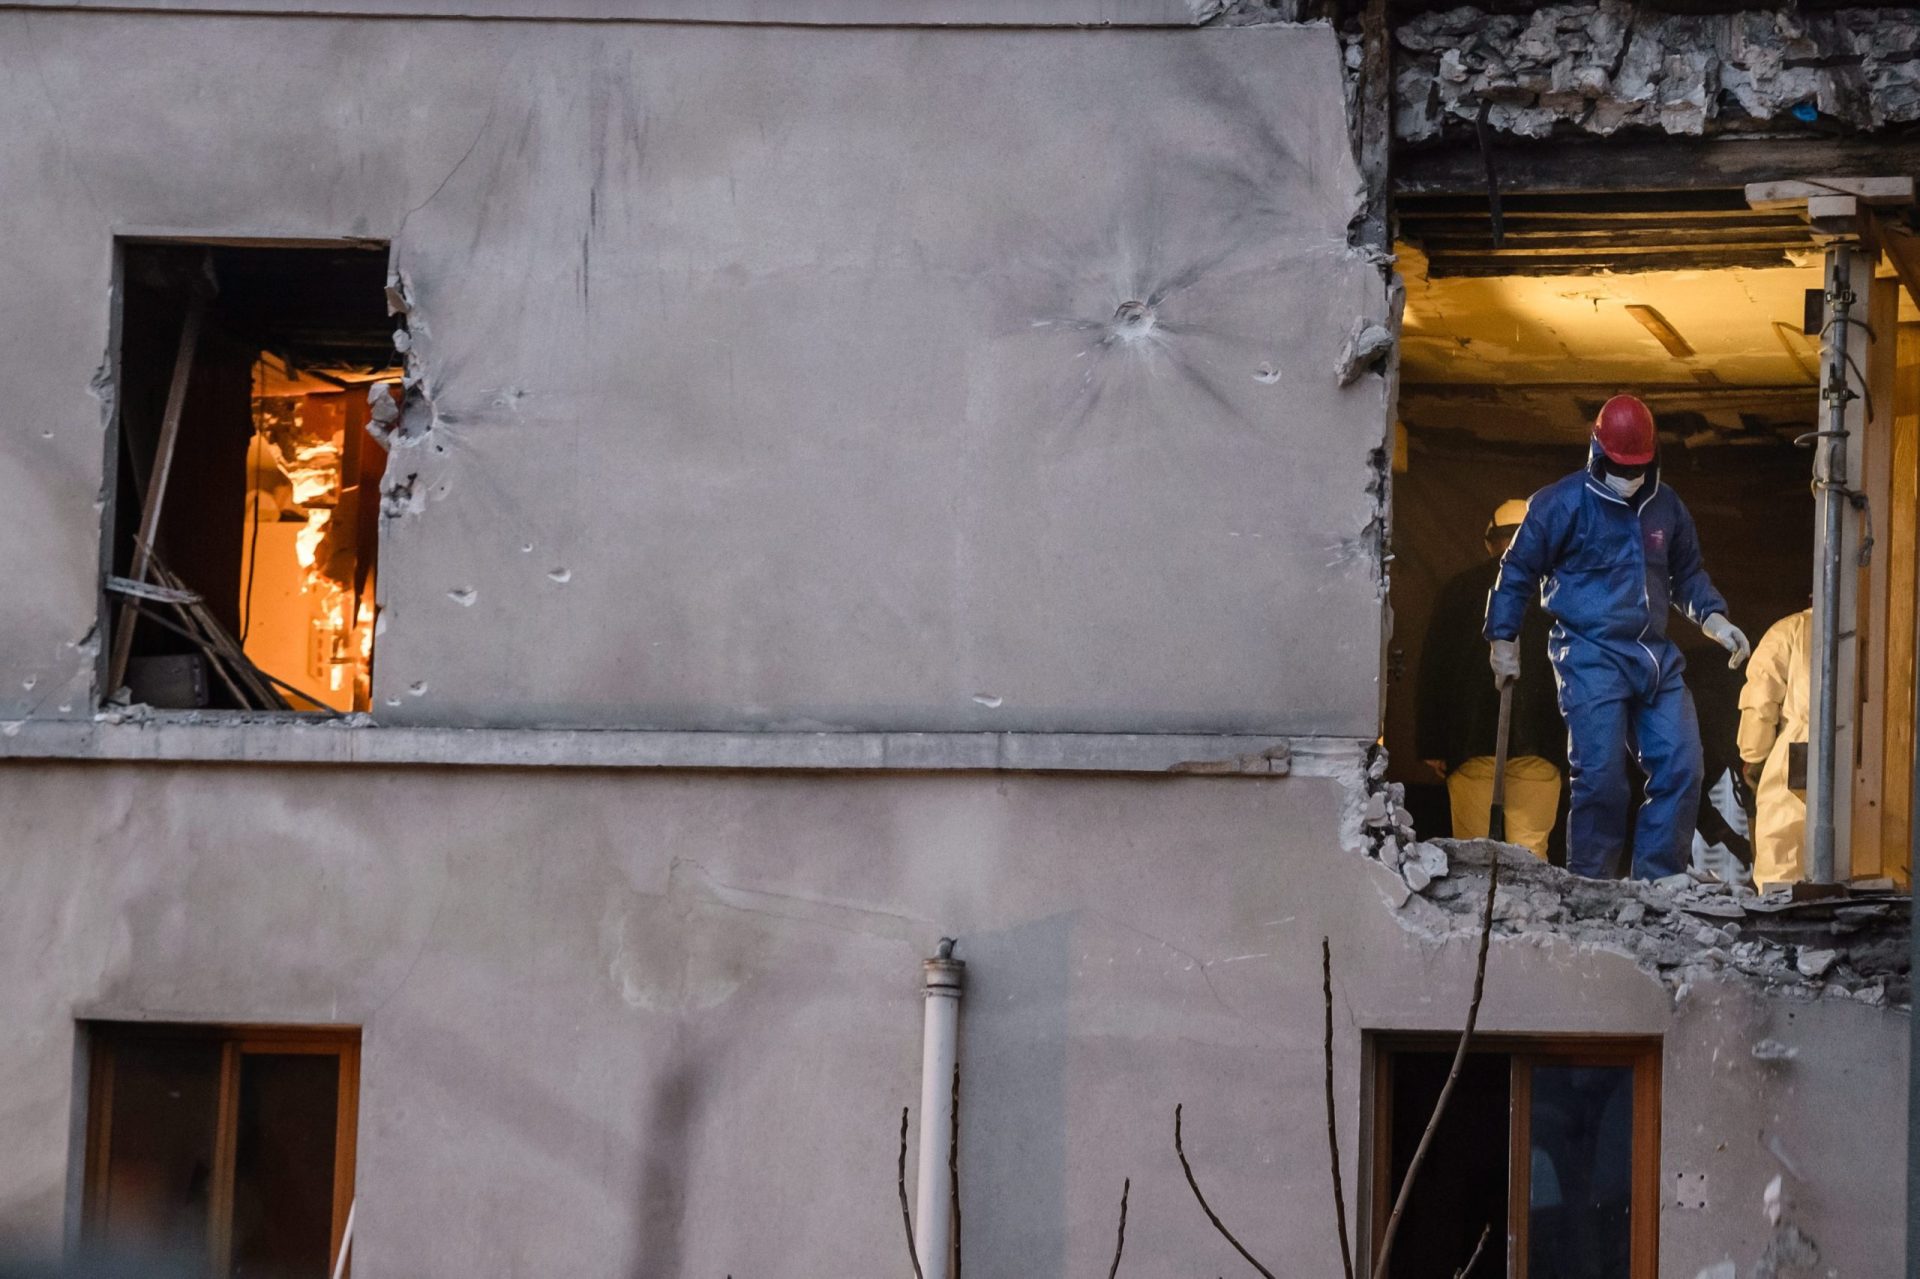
point(1457, 715)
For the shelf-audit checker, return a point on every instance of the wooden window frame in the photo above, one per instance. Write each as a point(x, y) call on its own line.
point(1639, 1053)
point(236, 1042)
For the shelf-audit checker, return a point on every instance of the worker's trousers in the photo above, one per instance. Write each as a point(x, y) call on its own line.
point(1664, 735)
point(1532, 800)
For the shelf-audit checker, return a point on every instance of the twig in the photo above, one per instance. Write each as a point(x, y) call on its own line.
point(1333, 1127)
point(1205, 1207)
point(1453, 1077)
point(953, 1166)
point(906, 1213)
point(1463, 1271)
point(1120, 1244)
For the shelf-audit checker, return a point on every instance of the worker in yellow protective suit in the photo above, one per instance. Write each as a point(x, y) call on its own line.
point(1773, 716)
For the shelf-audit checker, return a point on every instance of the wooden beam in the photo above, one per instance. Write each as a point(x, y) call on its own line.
point(1903, 251)
point(157, 484)
point(1374, 146)
point(1489, 263)
point(1794, 193)
point(1675, 164)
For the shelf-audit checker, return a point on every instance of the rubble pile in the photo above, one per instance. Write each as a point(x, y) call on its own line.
point(1681, 929)
point(1599, 68)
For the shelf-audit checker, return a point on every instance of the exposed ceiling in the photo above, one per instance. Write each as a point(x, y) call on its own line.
point(1528, 357)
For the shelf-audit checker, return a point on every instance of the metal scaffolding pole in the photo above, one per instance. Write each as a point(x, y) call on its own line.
point(1830, 483)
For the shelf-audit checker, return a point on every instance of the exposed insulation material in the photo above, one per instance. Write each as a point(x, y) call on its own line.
point(1600, 68)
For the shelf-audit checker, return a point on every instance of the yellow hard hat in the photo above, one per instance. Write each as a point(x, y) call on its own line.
point(1508, 514)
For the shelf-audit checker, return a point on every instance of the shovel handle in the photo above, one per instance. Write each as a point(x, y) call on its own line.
point(1497, 812)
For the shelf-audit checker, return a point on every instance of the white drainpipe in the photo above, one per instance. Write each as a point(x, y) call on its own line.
point(939, 1054)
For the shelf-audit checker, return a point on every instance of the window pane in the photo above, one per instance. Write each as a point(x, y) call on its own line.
point(283, 1165)
point(1463, 1184)
point(165, 1107)
point(1582, 1176)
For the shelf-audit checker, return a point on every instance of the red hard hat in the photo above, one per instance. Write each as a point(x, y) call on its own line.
point(1624, 430)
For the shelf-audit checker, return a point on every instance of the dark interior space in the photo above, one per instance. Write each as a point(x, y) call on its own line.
point(278, 327)
point(1464, 1185)
point(283, 1164)
point(163, 1113)
point(218, 1150)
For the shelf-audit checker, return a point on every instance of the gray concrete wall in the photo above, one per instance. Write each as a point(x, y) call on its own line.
point(662, 1025)
point(793, 347)
point(931, 13)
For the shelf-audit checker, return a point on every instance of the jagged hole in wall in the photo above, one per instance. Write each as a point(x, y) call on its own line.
point(1689, 300)
point(269, 508)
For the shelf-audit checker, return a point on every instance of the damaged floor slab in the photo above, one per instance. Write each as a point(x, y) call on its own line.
point(1682, 929)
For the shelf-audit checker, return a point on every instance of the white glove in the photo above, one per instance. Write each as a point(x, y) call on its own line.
point(1504, 657)
point(1729, 637)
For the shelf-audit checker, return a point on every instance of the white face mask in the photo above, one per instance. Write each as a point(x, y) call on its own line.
point(1625, 486)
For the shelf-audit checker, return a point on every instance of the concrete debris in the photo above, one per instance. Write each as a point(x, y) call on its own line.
point(1806, 949)
point(1601, 67)
point(1814, 964)
point(1364, 351)
point(1421, 864)
point(1720, 1270)
point(1774, 1050)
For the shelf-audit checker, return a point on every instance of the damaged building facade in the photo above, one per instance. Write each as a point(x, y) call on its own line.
point(554, 552)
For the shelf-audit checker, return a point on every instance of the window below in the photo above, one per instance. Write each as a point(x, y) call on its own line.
point(1554, 1143)
point(242, 537)
point(221, 1151)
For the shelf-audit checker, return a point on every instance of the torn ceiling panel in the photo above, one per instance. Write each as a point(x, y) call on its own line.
point(1520, 356)
point(1526, 328)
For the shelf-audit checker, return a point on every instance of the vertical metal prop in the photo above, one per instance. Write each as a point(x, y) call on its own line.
point(1830, 482)
point(156, 486)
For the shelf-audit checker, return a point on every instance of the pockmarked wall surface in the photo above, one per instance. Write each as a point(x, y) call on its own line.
point(770, 376)
point(663, 1024)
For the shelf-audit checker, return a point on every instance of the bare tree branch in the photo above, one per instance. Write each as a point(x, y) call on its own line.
point(1205, 1207)
point(1120, 1244)
point(1467, 1269)
point(953, 1166)
point(1453, 1077)
point(906, 1213)
point(1333, 1127)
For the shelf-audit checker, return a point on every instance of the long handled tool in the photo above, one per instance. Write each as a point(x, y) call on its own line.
point(1497, 814)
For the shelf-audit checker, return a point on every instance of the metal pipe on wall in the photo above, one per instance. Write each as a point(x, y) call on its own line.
point(939, 1055)
point(1830, 482)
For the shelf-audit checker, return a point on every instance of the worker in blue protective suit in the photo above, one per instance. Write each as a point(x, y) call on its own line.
point(1609, 550)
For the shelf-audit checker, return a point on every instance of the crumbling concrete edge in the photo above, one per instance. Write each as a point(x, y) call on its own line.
point(354, 740)
point(1678, 936)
